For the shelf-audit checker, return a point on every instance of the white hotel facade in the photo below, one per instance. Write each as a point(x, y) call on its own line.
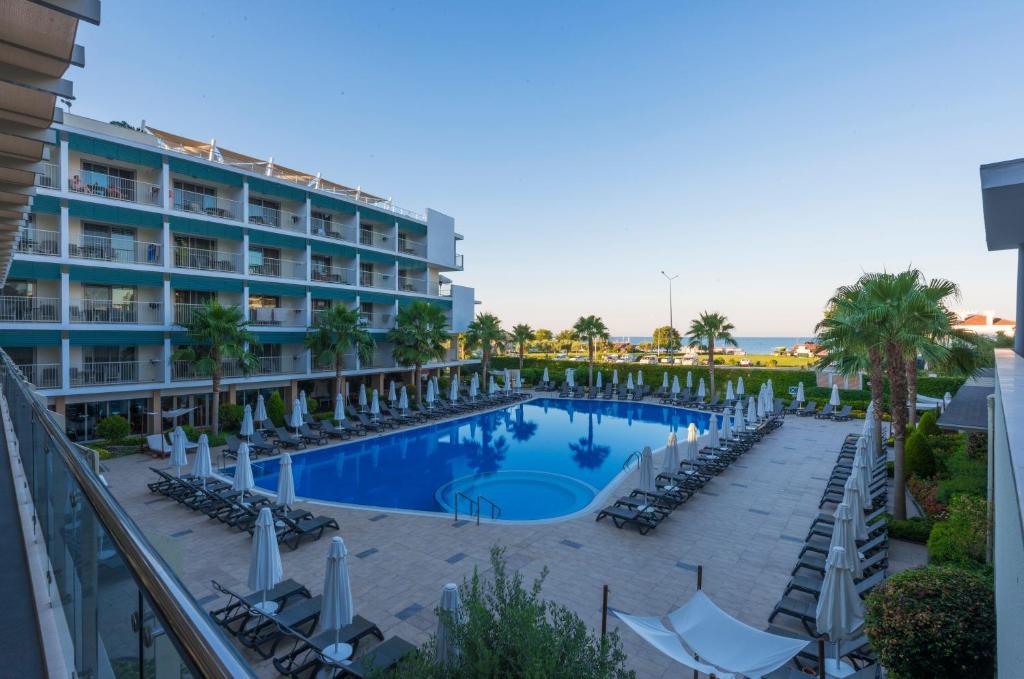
point(131, 231)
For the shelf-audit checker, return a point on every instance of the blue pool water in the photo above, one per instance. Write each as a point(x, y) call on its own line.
point(536, 460)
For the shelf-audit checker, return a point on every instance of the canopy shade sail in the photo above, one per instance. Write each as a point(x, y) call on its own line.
point(656, 634)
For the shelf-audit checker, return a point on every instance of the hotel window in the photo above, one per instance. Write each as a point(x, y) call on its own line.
point(263, 211)
point(322, 223)
point(109, 304)
point(195, 253)
point(111, 243)
point(321, 268)
point(265, 261)
point(16, 288)
point(194, 296)
point(194, 197)
point(105, 180)
point(108, 354)
point(264, 302)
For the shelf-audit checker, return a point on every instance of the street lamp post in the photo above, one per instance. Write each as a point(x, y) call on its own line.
point(671, 326)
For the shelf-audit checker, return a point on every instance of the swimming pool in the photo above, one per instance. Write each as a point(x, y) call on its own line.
point(541, 459)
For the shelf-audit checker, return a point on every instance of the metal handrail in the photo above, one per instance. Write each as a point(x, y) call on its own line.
point(479, 507)
point(636, 454)
point(468, 499)
point(191, 630)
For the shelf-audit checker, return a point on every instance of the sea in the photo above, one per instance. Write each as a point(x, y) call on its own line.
point(751, 345)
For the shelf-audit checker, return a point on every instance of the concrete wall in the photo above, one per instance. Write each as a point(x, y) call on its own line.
point(463, 307)
point(440, 238)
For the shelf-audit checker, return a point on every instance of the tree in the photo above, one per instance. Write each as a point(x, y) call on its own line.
point(668, 337)
point(564, 340)
point(590, 329)
point(420, 335)
point(484, 332)
point(544, 339)
point(521, 334)
point(337, 332)
point(218, 333)
point(711, 326)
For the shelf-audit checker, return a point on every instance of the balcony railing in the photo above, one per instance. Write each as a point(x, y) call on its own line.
point(348, 362)
point(41, 375)
point(444, 289)
point(99, 311)
point(119, 372)
point(120, 250)
point(332, 229)
point(333, 274)
point(377, 320)
point(279, 219)
point(412, 247)
point(265, 365)
point(39, 242)
point(410, 284)
point(375, 279)
point(184, 313)
point(458, 261)
point(204, 204)
point(375, 239)
point(116, 188)
point(207, 260)
point(289, 318)
point(279, 268)
point(49, 178)
point(15, 308)
point(380, 359)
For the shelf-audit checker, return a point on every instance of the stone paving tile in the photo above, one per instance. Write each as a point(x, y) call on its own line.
point(745, 562)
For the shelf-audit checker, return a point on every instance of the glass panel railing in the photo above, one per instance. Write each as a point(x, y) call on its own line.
point(126, 613)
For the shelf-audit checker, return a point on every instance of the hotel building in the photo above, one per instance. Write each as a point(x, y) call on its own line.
point(131, 231)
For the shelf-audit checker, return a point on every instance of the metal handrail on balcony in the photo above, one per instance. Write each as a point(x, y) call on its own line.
point(205, 204)
point(267, 316)
point(107, 249)
point(279, 268)
point(41, 375)
point(279, 219)
point(183, 313)
point(332, 229)
point(411, 247)
point(116, 188)
point(49, 178)
point(376, 279)
point(54, 472)
point(115, 372)
point(101, 311)
point(23, 309)
point(410, 284)
point(375, 239)
point(332, 274)
point(377, 320)
point(207, 260)
point(33, 241)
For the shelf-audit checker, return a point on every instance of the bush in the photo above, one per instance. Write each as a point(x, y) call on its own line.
point(926, 423)
point(113, 428)
point(977, 446)
point(275, 409)
point(925, 491)
point(961, 539)
point(509, 631)
point(915, 529)
point(918, 456)
point(231, 416)
point(890, 469)
point(313, 405)
point(933, 622)
point(963, 476)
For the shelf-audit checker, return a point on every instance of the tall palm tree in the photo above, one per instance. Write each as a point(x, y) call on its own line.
point(218, 333)
point(420, 335)
point(590, 329)
point(484, 332)
point(521, 334)
point(711, 327)
point(337, 332)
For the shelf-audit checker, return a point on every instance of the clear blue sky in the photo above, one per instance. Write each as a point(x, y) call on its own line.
point(767, 152)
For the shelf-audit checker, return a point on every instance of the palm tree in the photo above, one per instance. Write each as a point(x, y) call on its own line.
point(521, 334)
point(218, 333)
point(337, 332)
point(420, 335)
point(484, 332)
point(590, 329)
point(711, 326)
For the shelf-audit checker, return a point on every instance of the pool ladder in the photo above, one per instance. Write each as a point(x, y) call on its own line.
point(634, 455)
point(476, 505)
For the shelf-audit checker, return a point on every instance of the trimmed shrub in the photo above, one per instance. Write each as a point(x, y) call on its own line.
point(960, 539)
point(977, 446)
point(113, 428)
point(933, 623)
point(275, 409)
point(925, 491)
point(926, 423)
point(963, 476)
point(915, 529)
point(231, 416)
point(313, 405)
point(918, 456)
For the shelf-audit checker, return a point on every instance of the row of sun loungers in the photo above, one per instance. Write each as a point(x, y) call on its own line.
point(292, 628)
point(239, 510)
point(799, 598)
point(645, 510)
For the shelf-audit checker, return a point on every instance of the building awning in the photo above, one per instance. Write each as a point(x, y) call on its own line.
point(968, 410)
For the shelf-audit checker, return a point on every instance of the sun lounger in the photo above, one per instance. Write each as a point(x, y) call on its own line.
point(620, 516)
point(303, 658)
point(311, 421)
point(377, 661)
point(311, 527)
point(189, 446)
point(312, 436)
point(809, 584)
point(843, 415)
point(288, 439)
point(804, 609)
point(826, 412)
point(809, 409)
point(233, 610)
point(266, 631)
point(335, 432)
point(260, 444)
point(158, 445)
point(856, 649)
point(816, 562)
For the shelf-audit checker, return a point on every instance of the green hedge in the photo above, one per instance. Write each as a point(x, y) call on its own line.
point(915, 529)
point(961, 539)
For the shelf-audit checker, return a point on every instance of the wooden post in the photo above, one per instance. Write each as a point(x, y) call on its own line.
point(700, 576)
point(821, 657)
point(604, 613)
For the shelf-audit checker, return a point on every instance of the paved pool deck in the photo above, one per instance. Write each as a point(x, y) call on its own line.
point(746, 528)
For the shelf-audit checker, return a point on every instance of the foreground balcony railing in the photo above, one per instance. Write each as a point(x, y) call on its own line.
point(122, 251)
point(120, 372)
point(289, 318)
point(348, 362)
point(97, 557)
point(412, 247)
point(410, 284)
point(380, 359)
point(279, 268)
point(207, 260)
point(204, 204)
point(39, 242)
point(16, 308)
point(99, 311)
point(41, 375)
point(265, 365)
point(279, 219)
point(375, 239)
point(117, 188)
point(377, 320)
point(375, 279)
point(331, 229)
point(333, 274)
point(49, 178)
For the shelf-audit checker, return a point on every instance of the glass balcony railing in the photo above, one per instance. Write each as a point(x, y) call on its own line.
point(459, 261)
point(412, 284)
point(375, 239)
point(412, 247)
point(122, 609)
point(375, 279)
point(331, 229)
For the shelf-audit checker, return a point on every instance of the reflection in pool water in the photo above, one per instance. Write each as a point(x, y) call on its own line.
point(578, 446)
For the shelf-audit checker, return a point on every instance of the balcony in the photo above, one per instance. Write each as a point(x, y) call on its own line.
point(280, 317)
point(375, 279)
point(412, 247)
point(330, 229)
point(458, 261)
point(377, 320)
point(21, 309)
point(42, 375)
point(380, 359)
point(333, 274)
point(262, 215)
point(115, 188)
point(205, 204)
point(410, 284)
point(266, 365)
point(279, 268)
point(186, 370)
point(131, 313)
point(375, 239)
point(49, 178)
point(120, 250)
point(39, 242)
point(184, 313)
point(207, 260)
point(119, 372)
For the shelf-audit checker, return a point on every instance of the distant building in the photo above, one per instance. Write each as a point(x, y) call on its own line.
point(986, 323)
point(805, 349)
point(826, 377)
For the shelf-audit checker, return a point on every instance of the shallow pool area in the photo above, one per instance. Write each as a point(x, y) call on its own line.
point(542, 459)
